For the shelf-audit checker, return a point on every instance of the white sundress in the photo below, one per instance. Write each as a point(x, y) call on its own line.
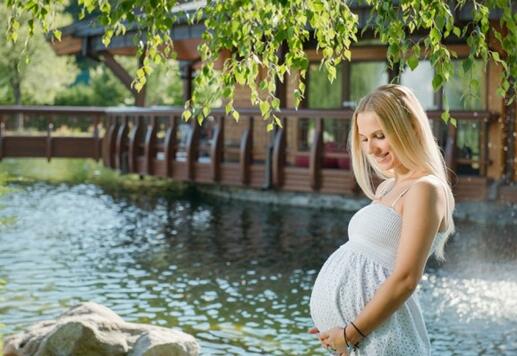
point(350, 277)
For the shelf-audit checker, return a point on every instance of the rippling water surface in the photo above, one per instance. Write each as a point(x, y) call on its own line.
point(236, 275)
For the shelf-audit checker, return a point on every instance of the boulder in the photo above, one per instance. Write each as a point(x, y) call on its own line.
point(90, 329)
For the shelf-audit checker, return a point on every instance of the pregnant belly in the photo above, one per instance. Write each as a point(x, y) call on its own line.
point(345, 283)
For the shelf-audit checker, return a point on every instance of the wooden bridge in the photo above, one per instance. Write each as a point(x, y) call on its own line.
point(156, 141)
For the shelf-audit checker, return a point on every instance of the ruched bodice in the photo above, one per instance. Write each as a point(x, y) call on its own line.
point(375, 230)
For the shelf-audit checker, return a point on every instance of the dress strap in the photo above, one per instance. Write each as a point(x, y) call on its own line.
point(403, 192)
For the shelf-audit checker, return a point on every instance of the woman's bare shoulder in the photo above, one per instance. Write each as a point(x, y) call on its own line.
point(427, 189)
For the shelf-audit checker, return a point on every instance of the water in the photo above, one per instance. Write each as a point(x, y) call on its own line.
point(236, 275)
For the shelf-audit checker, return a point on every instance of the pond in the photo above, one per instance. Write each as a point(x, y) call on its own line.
point(236, 275)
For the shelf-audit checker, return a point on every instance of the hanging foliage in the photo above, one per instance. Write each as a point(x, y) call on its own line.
point(265, 39)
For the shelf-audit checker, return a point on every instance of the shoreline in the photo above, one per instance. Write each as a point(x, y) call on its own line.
point(479, 212)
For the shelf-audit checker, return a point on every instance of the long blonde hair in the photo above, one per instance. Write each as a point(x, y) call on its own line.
point(407, 127)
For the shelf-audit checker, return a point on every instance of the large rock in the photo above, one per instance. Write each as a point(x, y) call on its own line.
point(91, 329)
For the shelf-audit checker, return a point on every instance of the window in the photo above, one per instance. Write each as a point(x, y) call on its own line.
point(420, 81)
point(322, 94)
point(459, 94)
point(365, 77)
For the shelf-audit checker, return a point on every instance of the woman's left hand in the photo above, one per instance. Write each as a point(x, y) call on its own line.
point(334, 339)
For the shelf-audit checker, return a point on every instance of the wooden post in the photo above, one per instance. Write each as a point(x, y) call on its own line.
point(187, 71)
point(120, 146)
point(246, 152)
point(216, 151)
point(50, 127)
point(450, 151)
point(170, 143)
point(316, 156)
point(483, 146)
point(110, 142)
point(150, 146)
point(192, 148)
point(279, 152)
point(511, 129)
point(134, 144)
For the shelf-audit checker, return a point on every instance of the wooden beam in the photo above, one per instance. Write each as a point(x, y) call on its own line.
point(170, 142)
point(246, 152)
point(187, 71)
point(121, 146)
point(150, 146)
point(316, 156)
point(279, 153)
point(192, 149)
point(134, 144)
point(122, 74)
point(216, 151)
point(510, 121)
point(450, 150)
point(110, 142)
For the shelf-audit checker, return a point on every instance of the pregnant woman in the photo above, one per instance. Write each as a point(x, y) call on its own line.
point(362, 302)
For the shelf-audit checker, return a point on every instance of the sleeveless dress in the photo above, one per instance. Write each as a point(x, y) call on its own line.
point(350, 277)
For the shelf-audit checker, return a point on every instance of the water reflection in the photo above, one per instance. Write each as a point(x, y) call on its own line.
point(236, 275)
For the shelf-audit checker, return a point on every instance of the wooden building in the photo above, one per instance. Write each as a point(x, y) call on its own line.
point(481, 150)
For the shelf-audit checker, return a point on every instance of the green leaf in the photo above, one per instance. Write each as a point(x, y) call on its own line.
point(467, 64)
point(275, 103)
point(437, 81)
point(187, 114)
point(278, 121)
point(264, 108)
point(57, 35)
point(412, 62)
point(236, 115)
point(445, 116)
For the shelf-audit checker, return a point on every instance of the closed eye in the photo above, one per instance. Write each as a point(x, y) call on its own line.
point(378, 137)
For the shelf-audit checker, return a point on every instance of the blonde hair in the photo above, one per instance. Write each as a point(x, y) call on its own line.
point(407, 127)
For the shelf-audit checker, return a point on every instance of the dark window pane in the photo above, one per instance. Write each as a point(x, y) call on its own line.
point(468, 147)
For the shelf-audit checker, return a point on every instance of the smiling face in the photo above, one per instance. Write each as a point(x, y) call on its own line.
point(374, 142)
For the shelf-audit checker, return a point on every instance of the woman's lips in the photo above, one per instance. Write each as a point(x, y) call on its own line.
point(382, 159)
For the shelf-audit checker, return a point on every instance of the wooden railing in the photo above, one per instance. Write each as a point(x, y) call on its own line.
point(147, 141)
point(137, 150)
point(22, 143)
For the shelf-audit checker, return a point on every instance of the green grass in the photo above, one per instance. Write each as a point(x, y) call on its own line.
point(78, 171)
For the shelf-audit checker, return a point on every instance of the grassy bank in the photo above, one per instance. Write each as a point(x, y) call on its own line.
point(80, 171)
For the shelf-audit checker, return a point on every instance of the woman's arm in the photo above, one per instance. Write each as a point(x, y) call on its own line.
point(424, 207)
